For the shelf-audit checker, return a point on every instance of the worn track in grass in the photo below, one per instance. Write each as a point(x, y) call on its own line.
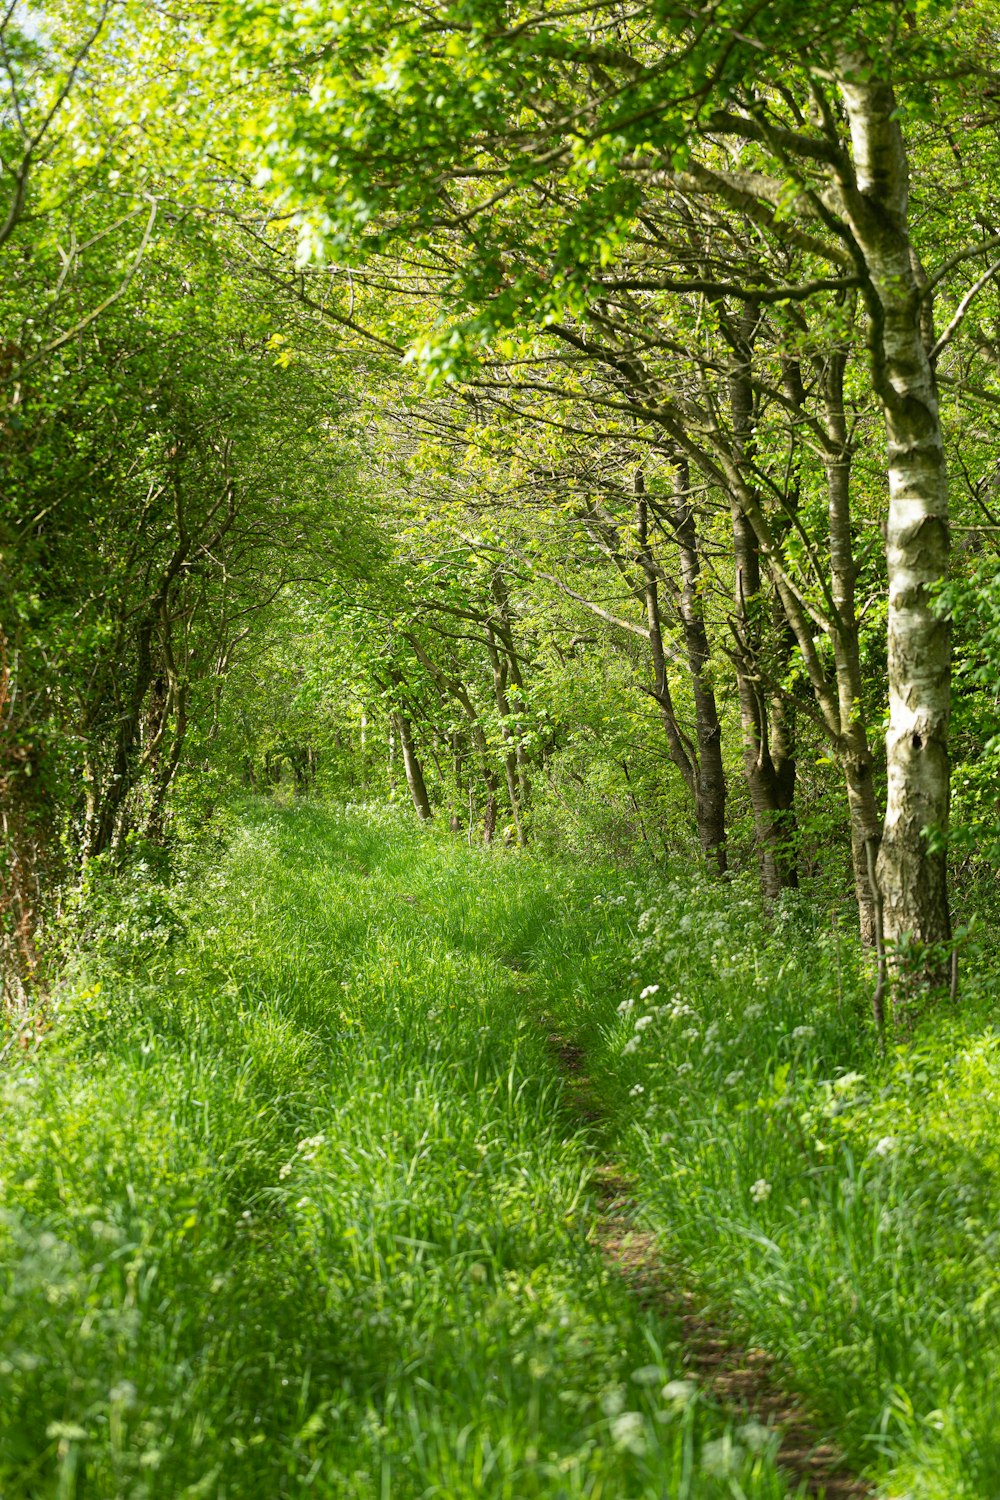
point(740, 1377)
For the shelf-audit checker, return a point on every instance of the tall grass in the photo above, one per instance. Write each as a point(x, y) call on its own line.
point(293, 1202)
point(843, 1211)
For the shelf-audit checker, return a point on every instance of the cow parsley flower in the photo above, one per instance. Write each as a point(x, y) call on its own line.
point(628, 1432)
point(679, 1392)
point(721, 1457)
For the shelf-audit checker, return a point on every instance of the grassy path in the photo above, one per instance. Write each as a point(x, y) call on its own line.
point(742, 1378)
point(295, 1201)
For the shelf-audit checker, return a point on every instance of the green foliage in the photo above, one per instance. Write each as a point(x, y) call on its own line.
point(972, 601)
point(293, 1197)
point(399, 112)
point(839, 1209)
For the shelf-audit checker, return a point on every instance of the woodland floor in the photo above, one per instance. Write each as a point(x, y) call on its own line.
point(740, 1378)
point(332, 1173)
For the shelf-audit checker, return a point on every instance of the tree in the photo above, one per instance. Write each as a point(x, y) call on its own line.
point(469, 126)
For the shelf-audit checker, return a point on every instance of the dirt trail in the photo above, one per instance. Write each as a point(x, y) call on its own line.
point(739, 1377)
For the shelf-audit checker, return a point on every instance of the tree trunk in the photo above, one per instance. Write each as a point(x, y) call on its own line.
point(411, 766)
point(390, 760)
point(456, 688)
point(698, 761)
point(852, 749)
point(768, 743)
point(710, 788)
point(679, 748)
point(455, 816)
point(500, 668)
point(912, 862)
point(505, 635)
point(167, 770)
point(109, 808)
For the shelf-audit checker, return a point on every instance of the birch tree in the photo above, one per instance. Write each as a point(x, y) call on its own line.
point(478, 122)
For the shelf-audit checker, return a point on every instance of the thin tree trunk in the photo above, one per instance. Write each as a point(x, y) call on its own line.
point(710, 788)
point(768, 747)
point(412, 767)
point(505, 635)
point(455, 818)
point(458, 691)
point(390, 761)
point(109, 809)
point(500, 669)
point(167, 771)
point(679, 747)
point(852, 749)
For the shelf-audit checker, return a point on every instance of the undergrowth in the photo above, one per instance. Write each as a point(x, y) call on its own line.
point(295, 1199)
point(293, 1202)
point(839, 1209)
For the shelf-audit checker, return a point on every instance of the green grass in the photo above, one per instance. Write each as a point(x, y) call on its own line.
point(839, 1210)
point(294, 1201)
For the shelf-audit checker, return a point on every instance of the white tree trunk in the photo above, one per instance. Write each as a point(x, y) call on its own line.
point(912, 869)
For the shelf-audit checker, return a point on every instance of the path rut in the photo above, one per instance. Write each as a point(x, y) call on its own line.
point(745, 1378)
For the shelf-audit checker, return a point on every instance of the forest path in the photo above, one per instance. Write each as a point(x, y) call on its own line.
point(741, 1378)
point(308, 1096)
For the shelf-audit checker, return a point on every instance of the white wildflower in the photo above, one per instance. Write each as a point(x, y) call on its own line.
point(630, 1046)
point(802, 1033)
point(691, 1035)
point(755, 1435)
point(885, 1146)
point(626, 1006)
point(109, 1232)
point(761, 1190)
point(628, 1432)
point(679, 1392)
point(733, 1078)
point(636, 1090)
point(721, 1457)
point(651, 989)
point(310, 1145)
point(643, 1022)
point(66, 1432)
